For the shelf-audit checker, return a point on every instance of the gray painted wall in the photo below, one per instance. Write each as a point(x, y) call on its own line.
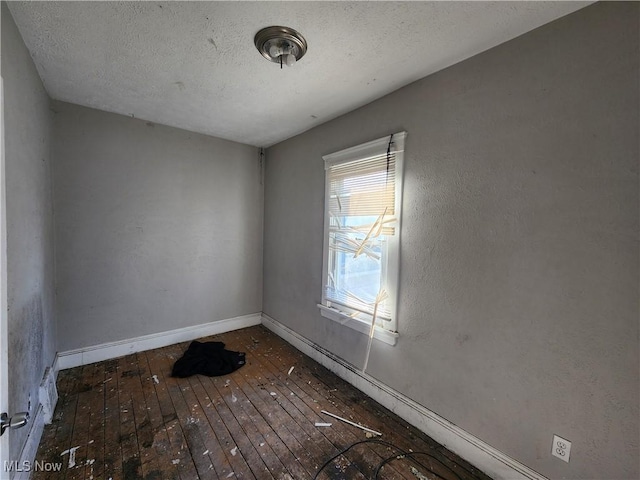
point(518, 312)
point(156, 228)
point(30, 257)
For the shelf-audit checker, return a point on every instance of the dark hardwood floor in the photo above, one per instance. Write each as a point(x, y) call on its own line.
point(128, 419)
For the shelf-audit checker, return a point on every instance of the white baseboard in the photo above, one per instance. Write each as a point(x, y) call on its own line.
point(483, 456)
point(30, 447)
point(106, 351)
point(55, 366)
point(22, 469)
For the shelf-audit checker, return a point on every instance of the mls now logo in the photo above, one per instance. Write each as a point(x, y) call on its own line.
point(27, 466)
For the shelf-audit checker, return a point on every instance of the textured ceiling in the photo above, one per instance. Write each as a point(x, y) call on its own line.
point(193, 65)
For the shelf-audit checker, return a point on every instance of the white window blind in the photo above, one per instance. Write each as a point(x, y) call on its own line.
point(362, 220)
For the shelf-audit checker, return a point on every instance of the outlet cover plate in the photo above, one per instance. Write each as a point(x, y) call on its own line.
point(561, 448)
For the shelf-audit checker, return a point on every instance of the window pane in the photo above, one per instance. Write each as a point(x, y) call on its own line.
point(356, 267)
point(360, 275)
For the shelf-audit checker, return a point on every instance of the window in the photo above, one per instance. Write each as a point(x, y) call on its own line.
point(361, 235)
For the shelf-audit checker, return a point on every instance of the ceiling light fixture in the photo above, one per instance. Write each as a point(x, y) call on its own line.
point(281, 45)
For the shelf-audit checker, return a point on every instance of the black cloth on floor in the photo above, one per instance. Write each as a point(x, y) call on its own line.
point(207, 358)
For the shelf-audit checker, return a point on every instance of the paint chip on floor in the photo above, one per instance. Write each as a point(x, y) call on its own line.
point(290, 370)
point(418, 475)
point(234, 450)
point(176, 461)
point(72, 456)
point(155, 379)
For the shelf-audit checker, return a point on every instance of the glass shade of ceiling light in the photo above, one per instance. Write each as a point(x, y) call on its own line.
point(281, 45)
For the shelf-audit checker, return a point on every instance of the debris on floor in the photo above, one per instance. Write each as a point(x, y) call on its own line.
point(352, 423)
point(176, 427)
point(72, 456)
point(418, 475)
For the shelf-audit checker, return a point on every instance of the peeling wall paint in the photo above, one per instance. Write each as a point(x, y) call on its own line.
point(30, 259)
point(518, 303)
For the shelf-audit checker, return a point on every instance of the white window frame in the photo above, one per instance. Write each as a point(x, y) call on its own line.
point(385, 330)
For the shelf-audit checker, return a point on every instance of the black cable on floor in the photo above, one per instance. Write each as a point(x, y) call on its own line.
point(401, 454)
point(345, 450)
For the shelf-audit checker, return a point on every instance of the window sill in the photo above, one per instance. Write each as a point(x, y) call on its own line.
point(361, 326)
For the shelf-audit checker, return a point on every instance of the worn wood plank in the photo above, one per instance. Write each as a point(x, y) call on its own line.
point(65, 432)
point(158, 434)
point(159, 361)
point(131, 464)
point(94, 461)
point(247, 409)
point(112, 448)
point(234, 446)
point(352, 404)
point(193, 427)
point(75, 455)
point(131, 419)
point(309, 436)
point(366, 456)
point(252, 444)
point(277, 432)
point(278, 363)
point(135, 384)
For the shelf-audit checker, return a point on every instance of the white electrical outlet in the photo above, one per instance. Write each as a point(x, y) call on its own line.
point(561, 448)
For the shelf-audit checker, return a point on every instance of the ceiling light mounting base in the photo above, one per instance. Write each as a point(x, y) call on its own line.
point(280, 45)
